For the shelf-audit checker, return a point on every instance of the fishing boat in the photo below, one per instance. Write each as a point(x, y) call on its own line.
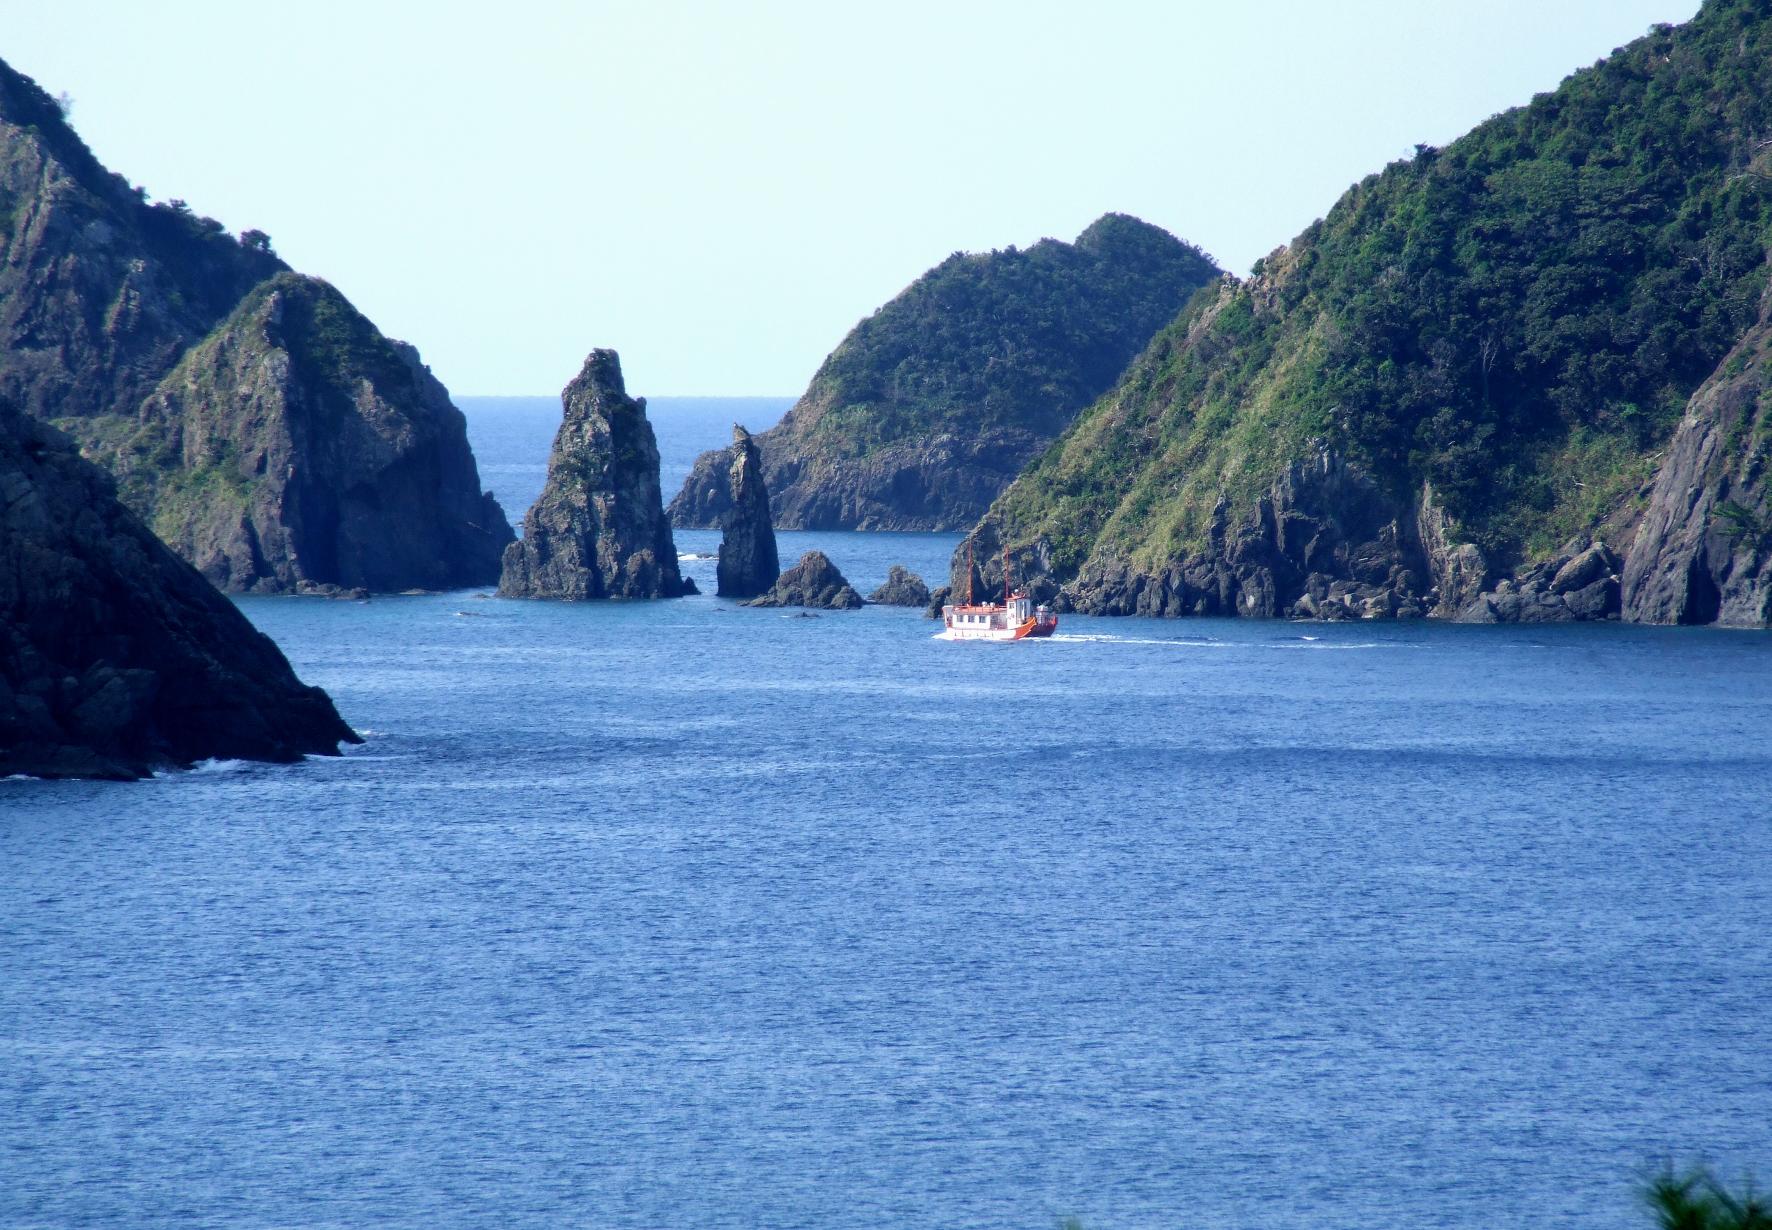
point(1013, 619)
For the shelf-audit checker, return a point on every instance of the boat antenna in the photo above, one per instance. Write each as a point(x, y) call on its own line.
point(968, 572)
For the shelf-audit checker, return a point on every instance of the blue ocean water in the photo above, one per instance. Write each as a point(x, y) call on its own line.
point(680, 914)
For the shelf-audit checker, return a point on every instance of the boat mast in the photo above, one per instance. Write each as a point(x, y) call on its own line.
point(1005, 574)
point(968, 572)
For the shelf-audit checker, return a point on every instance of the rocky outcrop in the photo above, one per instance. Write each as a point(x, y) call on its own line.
point(813, 582)
point(116, 657)
point(935, 403)
point(255, 419)
point(1577, 584)
point(1704, 546)
point(929, 483)
point(748, 562)
point(296, 449)
point(599, 529)
point(902, 588)
point(1323, 543)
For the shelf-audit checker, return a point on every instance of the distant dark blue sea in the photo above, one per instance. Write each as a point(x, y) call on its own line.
point(678, 914)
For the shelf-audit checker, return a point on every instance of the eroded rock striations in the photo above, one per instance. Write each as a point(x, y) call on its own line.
point(116, 657)
point(748, 561)
point(1703, 552)
point(934, 404)
point(902, 587)
point(813, 582)
point(599, 529)
point(256, 420)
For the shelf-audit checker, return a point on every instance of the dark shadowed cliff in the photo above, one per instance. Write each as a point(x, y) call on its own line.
point(1463, 390)
point(116, 657)
point(259, 422)
point(933, 404)
point(748, 563)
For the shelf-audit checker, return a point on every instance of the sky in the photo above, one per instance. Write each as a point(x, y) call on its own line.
point(721, 191)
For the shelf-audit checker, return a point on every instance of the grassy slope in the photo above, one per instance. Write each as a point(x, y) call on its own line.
point(1517, 318)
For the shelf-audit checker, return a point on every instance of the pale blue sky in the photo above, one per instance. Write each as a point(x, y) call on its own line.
point(721, 191)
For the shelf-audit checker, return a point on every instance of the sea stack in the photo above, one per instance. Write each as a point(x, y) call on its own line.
point(813, 582)
point(748, 562)
point(599, 528)
point(116, 657)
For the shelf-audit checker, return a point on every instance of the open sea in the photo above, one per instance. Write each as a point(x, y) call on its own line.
point(651, 915)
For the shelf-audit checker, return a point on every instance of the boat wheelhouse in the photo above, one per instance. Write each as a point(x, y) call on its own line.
point(1013, 619)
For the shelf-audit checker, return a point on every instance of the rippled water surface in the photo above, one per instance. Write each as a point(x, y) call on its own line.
point(678, 914)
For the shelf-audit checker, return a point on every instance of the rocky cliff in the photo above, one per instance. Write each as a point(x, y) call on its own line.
point(748, 561)
point(599, 529)
point(116, 657)
point(1459, 393)
point(255, 418)
point(1702, 553)
point(296, 448)
point(934, 404)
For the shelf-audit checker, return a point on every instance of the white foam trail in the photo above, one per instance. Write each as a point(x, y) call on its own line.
point(219, 766)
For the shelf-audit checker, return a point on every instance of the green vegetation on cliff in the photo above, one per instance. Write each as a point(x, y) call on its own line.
point(931, 405)
point(1019, 339)
point(1515, 321)
point(264, 427)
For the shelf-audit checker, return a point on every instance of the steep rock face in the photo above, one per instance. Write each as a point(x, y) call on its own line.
point(99, 292)
point(116, 657)
point(1701, 555)
point(257, 420)
point(1502, 325)
point(748, 561)
point(934, 404)
point(599, 529)
point(813, 582)
point(1322, 542)
point(295, 447)
point(901, 588)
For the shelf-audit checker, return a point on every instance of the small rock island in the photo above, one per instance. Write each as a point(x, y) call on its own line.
point(599, 528)
point(901, 588)
point(813, 582)
point(748, 561)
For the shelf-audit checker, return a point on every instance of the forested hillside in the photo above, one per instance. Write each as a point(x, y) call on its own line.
point(1472, 365)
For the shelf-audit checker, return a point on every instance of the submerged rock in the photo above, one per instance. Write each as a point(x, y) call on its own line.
point(116, 656)
point(902, 588)
point(748, 561)
point(813, 582)
point(599, 529)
